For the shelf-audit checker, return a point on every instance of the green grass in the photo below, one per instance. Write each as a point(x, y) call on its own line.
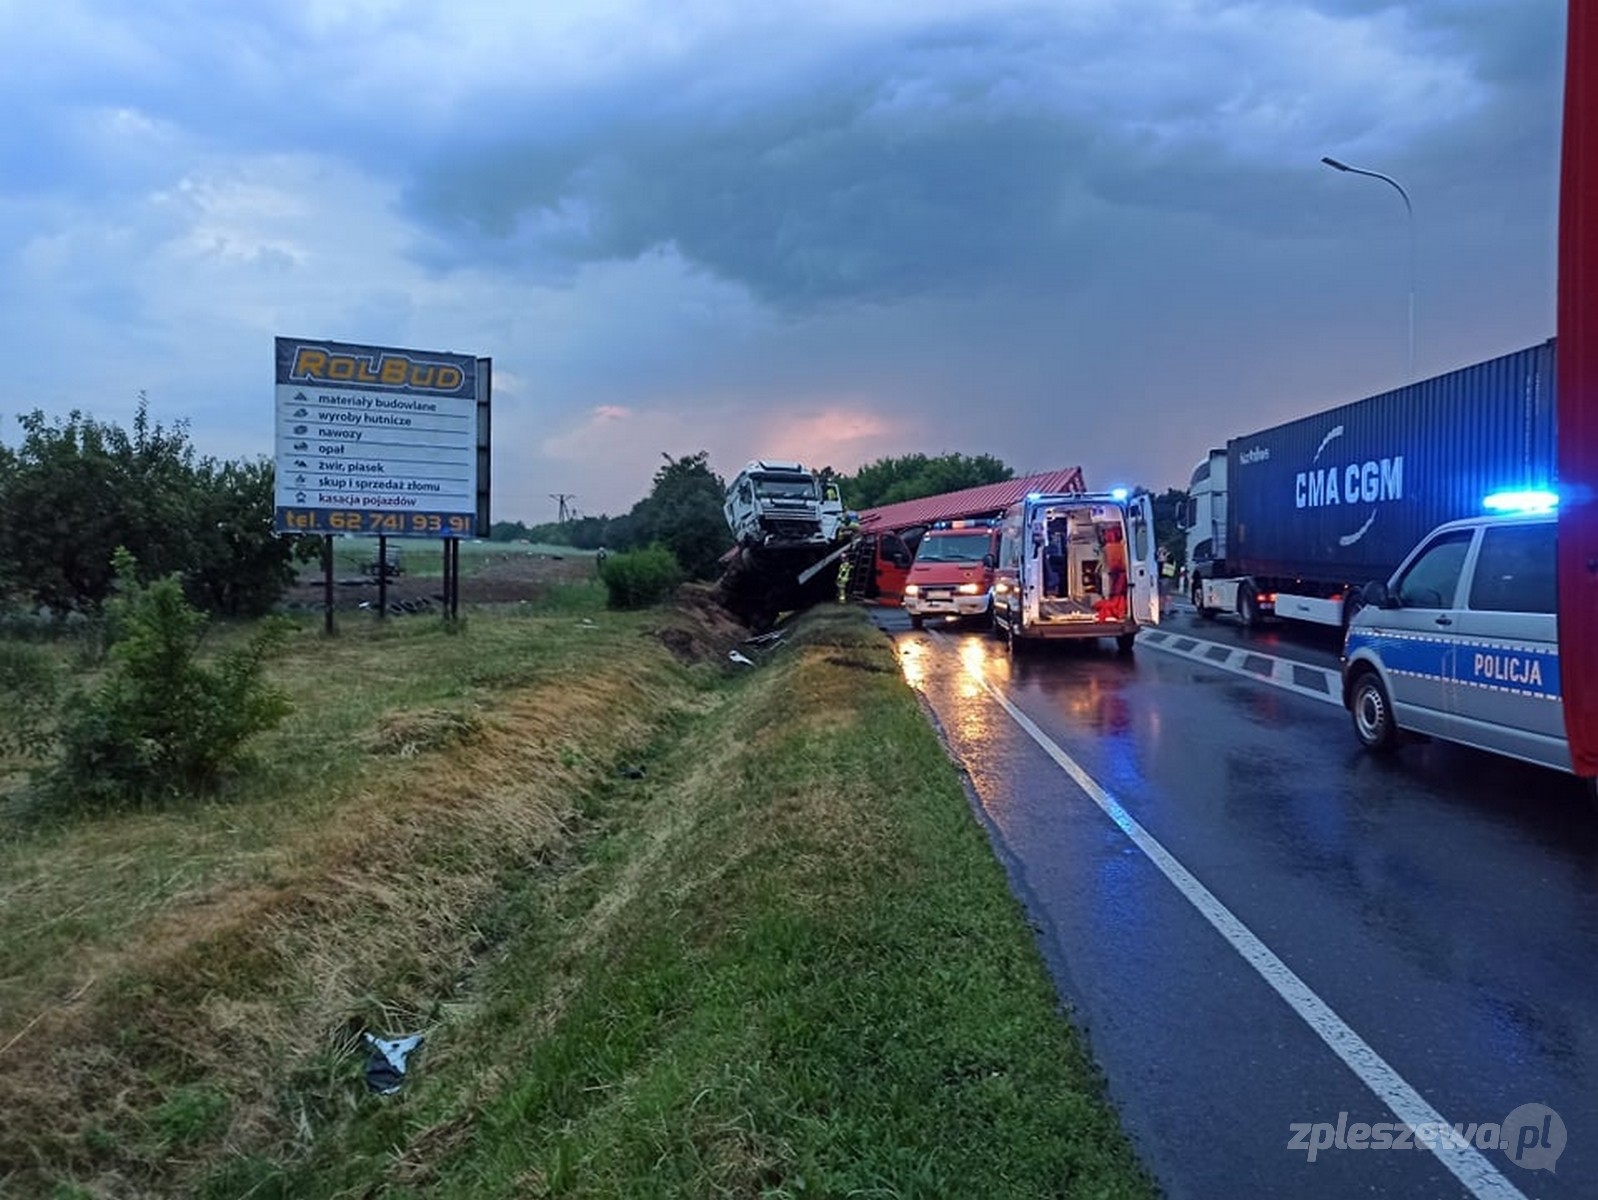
point(671, 930)
point(70, 886)
point(787, 965)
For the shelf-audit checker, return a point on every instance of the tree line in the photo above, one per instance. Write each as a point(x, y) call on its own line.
point(76, 489)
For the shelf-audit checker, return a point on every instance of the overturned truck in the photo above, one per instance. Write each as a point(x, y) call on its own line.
point(788, 526)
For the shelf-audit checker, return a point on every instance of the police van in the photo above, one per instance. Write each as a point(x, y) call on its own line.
point(1462, 642)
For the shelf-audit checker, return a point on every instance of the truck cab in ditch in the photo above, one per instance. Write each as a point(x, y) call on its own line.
point(773, 502)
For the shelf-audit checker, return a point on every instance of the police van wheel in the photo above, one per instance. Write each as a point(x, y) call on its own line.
point(916, 621)
point(1373, 713)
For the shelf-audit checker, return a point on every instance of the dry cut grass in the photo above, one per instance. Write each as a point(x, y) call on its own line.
point(211, 1022)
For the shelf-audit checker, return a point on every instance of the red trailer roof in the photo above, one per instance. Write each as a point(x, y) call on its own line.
point(989, 499)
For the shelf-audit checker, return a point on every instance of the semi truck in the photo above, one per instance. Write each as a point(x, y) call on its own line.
point(1296, 519)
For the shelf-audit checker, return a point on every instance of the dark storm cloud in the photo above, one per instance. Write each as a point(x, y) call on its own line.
point(868, 183)
point(1024, 151)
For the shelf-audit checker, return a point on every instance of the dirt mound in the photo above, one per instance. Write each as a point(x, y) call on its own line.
point(699, 628)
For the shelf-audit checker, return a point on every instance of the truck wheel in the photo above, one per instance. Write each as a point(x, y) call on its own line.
point(1373, 713)
point(1351, 605)
point(1248, 609)
point(1124, 643)
point(1205, 614)
point(916, 621)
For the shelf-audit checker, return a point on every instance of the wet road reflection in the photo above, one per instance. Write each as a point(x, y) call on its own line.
point(1444, 903)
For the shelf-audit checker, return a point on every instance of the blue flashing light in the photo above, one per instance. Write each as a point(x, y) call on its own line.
point(1034, 495)
point(1118, 493)
point(1521, 502)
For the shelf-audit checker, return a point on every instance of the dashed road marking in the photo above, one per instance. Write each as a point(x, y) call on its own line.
point(1318, 683)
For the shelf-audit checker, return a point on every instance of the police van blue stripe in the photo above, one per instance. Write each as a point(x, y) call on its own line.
point(1507, 668)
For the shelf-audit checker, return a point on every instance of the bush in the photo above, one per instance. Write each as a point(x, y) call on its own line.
point(640, 578)
point(29, 683)
point(161, 722)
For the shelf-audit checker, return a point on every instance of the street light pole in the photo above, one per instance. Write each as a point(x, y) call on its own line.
point(1410, 209)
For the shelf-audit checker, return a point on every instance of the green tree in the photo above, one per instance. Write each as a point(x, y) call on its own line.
point(161, 721)
point(685, 514)
point(76, 489)
point(507, 531)
point(238, 566)
point(912, 476)
point(682, 513)
point(1166, 534)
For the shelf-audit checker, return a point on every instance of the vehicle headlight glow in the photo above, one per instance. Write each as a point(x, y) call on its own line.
point(911, 589)
point(969, 589)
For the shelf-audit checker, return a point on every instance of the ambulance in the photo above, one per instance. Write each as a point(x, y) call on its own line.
point(1077, 565)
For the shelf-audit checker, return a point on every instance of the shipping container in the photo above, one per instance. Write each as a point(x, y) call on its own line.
point(1307, 511)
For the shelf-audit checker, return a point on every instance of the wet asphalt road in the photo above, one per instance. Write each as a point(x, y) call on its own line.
point(1442, 904)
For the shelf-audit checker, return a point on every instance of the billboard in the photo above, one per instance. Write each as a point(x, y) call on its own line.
point(379, 440)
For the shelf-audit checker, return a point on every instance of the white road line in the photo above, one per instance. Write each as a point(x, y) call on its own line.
point(1281, 668)
point(1479, 1176)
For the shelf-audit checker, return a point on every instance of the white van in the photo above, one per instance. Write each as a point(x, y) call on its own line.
point(1077, 565)
point(1462, 643)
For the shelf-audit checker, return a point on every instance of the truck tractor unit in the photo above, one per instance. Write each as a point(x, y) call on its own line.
point(790, 535)
point(777, 503)
point(1296, 519)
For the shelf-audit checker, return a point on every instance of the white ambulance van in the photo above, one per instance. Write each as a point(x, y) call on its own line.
point(1077, 565)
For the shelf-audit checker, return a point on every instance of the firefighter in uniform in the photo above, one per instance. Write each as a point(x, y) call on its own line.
point(849, 528)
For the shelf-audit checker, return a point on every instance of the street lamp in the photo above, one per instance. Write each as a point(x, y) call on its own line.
point(1410, 209)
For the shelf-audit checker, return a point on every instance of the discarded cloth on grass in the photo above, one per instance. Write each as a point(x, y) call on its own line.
point(385, 1070)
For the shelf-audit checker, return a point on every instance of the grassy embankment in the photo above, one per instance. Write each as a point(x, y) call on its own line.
point(669, 931)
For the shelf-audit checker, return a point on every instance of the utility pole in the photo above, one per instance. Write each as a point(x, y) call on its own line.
point(560, 498)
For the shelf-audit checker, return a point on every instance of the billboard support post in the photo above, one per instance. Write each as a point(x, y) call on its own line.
point(327, 584)
point(382, 576)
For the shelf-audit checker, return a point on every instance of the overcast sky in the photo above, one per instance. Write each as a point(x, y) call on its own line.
point(1088, 232)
